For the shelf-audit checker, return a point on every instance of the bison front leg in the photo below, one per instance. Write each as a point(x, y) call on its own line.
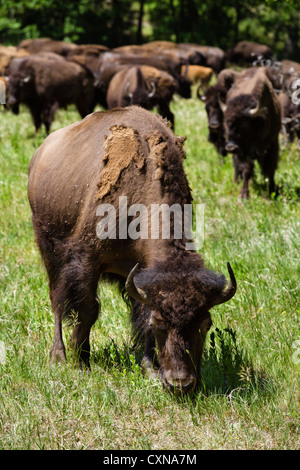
point(73, 293)
point(269, 164)
point(48, 115)
point(165, 112)
point(246, 169)
point(35, 111)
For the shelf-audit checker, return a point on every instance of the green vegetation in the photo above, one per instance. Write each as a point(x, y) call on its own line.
point(249, 398)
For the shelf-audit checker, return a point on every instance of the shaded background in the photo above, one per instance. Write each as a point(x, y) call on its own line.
point(114, 23)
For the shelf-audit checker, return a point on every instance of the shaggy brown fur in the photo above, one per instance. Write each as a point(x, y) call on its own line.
point(234, 129)
point(47, 81)
point(72, 173)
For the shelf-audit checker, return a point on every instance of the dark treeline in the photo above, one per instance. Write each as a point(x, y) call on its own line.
point(117, 22)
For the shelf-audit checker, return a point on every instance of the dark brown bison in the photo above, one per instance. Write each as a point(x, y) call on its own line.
point(47, 81)
point(83, 172)
point(252, 122)
point(211, 99)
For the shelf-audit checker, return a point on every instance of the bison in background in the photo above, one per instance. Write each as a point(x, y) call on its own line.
point(124, 152)
point(37, 45)
point(7, 54)
point(144, 86)
point(244, 119)
point(252, 122)
point(44, 82)
point(245, 53)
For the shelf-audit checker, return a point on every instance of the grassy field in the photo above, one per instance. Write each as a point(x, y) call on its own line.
point(249, 398)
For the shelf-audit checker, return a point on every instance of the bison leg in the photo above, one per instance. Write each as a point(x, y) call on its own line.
point(246, 169)
point(165, 112)
point(237, 168)
point(48, 115)
point(73, 292)
point(269, 164)
point(35, 112)
point(74, 298)
point(85, 106)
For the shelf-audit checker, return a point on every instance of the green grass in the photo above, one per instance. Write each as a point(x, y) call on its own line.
point(249, 398)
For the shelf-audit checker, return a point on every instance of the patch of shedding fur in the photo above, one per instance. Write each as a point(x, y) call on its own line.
point(122, 147)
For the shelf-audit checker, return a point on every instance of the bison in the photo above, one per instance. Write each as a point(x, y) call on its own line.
point(211, 99)
point(198, 74)
point(145, 86)
point(47, 81)
point(252, 122)
point(78, 175)
point(247, 52)
point(37, 45)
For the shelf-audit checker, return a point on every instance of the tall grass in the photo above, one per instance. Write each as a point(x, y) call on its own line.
point(249, 396)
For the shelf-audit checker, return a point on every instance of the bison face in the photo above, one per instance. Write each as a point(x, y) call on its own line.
point(17, 90)
point(244, 123)
point(215, 122)
point(173, 316)
point(179, 349)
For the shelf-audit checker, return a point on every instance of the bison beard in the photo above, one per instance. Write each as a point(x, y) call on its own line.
point(170, 289)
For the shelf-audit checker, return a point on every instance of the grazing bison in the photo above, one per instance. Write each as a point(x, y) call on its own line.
point(47, 81)
point(252, 122)
point(77, 176)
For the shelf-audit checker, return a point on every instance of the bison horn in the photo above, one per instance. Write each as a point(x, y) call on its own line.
point(127, 92)
point(222, 105)
point(153, 90)
point(254, 111)
point(229, 292)
point(135, 292)
point(198, 92)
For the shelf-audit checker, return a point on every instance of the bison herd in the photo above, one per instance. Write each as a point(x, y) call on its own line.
point(129, 151)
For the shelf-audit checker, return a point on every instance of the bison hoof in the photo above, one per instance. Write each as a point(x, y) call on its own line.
point(57, 355)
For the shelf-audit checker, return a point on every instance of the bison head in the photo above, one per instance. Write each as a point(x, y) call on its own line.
point(20, 81)
point(215, 118)
point(244, 119)
point(173, 318)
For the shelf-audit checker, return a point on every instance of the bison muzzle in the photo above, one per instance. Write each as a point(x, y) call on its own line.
point(133, 153)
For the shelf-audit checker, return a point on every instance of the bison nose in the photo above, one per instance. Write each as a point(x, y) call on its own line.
point(214, 124)
point(231, 146)
point(11, 100)
point(180, 383)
